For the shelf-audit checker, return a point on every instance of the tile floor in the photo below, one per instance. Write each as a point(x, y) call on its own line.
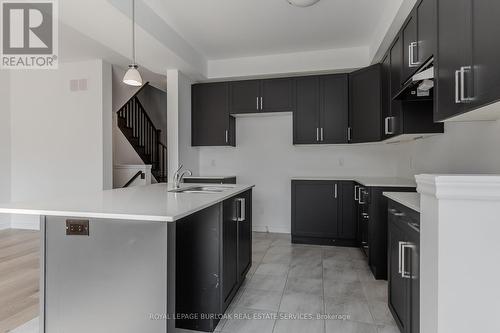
point(288, 279)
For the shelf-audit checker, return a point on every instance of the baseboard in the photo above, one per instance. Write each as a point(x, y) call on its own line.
point(5, 222)
point(266, 228)
point(30, 222)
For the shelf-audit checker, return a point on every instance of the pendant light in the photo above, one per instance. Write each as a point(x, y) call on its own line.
point(302, 3)
point(132, 76)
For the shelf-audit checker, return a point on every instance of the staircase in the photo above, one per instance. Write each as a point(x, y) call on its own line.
point(144, 137)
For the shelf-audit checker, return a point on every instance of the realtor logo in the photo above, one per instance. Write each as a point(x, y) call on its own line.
point(29, 34)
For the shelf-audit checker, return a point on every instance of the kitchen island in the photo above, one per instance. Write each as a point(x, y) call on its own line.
point(141, 259)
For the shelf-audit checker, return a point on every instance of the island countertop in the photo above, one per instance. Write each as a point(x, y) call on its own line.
point(144, 203)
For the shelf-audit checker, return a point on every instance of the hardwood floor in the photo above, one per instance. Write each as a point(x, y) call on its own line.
point(19, 277)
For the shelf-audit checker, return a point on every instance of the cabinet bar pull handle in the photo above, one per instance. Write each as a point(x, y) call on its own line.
point(261, 103)
point(257, 103)
point(387, 125)
point(335, 190)
point(412, 62)
point(400, 246)
point(317, 133)
point(227, 136)
point(457, 97)
point(321, 134)
point(242, 211)
point(404, 273)
point(361, 202)
point(349, 133)
point(356, 187)
point(462, 84)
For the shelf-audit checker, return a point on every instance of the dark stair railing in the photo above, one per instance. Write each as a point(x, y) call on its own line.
point(142, 134)
point(137, 175)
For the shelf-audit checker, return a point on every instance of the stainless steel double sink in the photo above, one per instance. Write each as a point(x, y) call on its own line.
point(202, 189)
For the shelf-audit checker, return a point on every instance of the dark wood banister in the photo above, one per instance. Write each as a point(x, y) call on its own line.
point(134, 95)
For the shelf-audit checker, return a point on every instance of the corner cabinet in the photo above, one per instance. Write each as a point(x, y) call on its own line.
point(404, 267)
point(321, 114)
point(211, 124)
point(365, 112)
point(323, 212)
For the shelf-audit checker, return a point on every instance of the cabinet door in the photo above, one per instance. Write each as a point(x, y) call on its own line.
point(397, 284)
point(348, 222)
point(396, 54)
point(426, 30)
point(306, 115)
point(229, 251)
point(245, 96)
point(409, 34)
point(414, 281)
point(315, 209)
point(453, 54)
point(277, 95)
point(334, 108)
point(386, 96)
point(365, 104)
point(486, 52)
point(210, 115)
point(245, 236)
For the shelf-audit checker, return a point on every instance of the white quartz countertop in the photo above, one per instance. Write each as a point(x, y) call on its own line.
point(208, 177)
point(144, 203)
point(368, 181)
point(407, 199)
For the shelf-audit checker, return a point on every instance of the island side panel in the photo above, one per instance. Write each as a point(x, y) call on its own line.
point(112, 280)
point(41, 318)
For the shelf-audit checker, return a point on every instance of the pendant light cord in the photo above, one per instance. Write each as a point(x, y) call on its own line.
point(133, 32)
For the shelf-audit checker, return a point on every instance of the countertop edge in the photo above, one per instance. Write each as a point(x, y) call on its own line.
point(399, 198)
point(124, 216)
point(363, 181)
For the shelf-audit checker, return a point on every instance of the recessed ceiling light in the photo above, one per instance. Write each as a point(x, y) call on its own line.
point(302, 3)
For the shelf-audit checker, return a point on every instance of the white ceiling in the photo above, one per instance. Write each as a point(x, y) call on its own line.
point(221, 29)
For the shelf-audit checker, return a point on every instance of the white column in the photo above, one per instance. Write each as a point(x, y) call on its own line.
point(5, 143)
point(460, 251)
point(179, 124)
point(172, 122)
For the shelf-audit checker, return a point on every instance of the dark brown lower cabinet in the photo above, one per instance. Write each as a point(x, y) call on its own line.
point(372, 225)
point(213, 256)
point(323, 212)
point(404, 267)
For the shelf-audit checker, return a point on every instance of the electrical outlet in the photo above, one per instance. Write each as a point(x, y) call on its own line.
point(77, 227)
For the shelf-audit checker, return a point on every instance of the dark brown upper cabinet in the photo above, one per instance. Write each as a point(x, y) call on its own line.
point(211, 124)
point(410, 45)
point(321, 113)
point(245, 96)
point(365, 110)
point(426, 13)
point(277, 95)
point(254, 96)
point(419, 37)
point(468, 52)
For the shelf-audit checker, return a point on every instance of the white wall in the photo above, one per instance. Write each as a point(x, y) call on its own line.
point(265, 156)
point(286, 63)
point(4, 144)
point(179, 124)
point(468, 147)
point(61, 140)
